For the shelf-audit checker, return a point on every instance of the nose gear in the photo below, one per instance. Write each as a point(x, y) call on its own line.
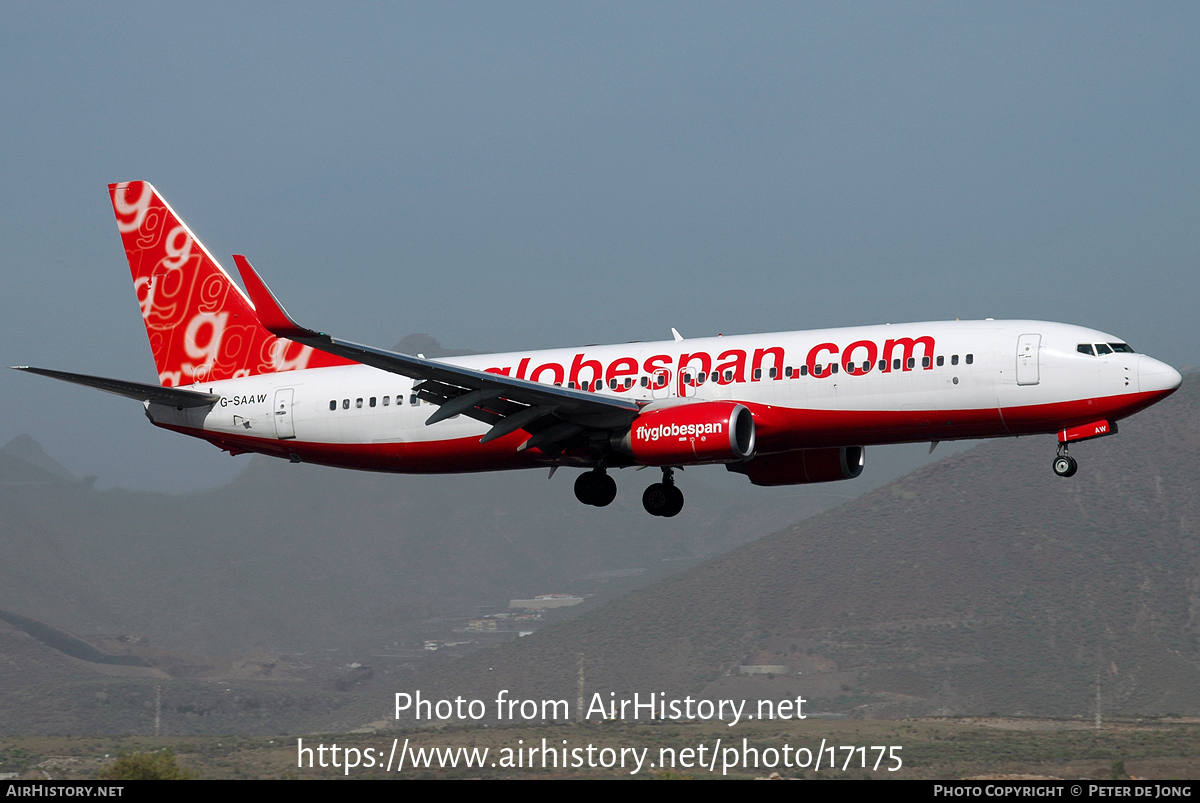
point(1064, 464)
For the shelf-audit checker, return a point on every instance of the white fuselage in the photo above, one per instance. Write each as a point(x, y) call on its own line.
point(911, 382)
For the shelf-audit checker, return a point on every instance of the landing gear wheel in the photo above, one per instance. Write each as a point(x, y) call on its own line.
point(595, 488)
point(663, 498)
point(586, 488)
point(606, 490)
point(674, 502)
point(655, 499)
point(1065, 466)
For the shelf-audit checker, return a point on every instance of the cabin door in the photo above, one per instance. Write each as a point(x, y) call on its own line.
point(1027, 359)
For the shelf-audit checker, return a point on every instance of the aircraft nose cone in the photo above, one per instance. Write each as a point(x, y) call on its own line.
point(1154, 375)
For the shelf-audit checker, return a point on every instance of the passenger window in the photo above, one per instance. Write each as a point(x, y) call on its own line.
point(700, 379)
point(333, 404)
point(571, 384)
point(924, 362)
point(1085, 348)
point(385, 400)
point(970, 359)
point(358, 403)
point(866, 366)
point(1102, 349)
point(803, 370)
point(954, 359)
point(787, 371)
point(729, 376)
point(883, 365)
point(645, 381)
point(628, 382)
point(413, 400)
point(345, 404)
point(895, 365)
point(716, 376)
point(941, 361)
point(833, 368)
point(773, 372)
point(372, 402)
point(758, 373)
point(612, 383)
point(817, 369)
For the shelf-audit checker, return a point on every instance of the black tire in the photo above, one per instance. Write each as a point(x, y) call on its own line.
point(1073, 469)
point(1064, 465)
point(675, 502)
point(655, 499)
point(606, 491)
point(586, 488)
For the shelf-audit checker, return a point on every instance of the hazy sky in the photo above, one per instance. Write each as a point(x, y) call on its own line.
point(523, 175)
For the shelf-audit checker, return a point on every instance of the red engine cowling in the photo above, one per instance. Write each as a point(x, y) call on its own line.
point(690, 434)
point(804, 466)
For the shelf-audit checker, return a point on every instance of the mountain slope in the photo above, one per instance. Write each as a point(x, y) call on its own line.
point(302, 557)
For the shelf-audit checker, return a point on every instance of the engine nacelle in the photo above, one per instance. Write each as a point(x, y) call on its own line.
point(804, 466)
point(691, 434)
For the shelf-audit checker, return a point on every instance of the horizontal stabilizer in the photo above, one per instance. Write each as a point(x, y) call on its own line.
point(155, 394)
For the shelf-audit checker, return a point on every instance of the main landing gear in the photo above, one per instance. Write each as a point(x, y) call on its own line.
point(1064, 464)
point(663, 498)
point(595, 488)
point(598, 489)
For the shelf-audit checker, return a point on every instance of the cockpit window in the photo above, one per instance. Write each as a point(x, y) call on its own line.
point(1102, 349)
point(1085, 348)
point(1122, 348)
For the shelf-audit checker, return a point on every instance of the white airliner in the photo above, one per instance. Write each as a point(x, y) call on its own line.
point(781, 408)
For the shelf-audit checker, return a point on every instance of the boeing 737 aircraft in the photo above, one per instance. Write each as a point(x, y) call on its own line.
point(781, 408)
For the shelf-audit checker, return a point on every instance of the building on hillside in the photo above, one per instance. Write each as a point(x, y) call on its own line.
point(542, 601)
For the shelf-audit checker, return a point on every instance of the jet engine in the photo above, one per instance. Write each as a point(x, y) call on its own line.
point(691, 434)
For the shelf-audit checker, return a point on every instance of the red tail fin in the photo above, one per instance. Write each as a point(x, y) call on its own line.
point(200, 323)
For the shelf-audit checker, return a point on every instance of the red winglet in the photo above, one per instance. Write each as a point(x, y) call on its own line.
point(269, 311)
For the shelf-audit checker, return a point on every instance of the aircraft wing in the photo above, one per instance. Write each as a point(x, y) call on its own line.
point(553, 415)
point(155, 394)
